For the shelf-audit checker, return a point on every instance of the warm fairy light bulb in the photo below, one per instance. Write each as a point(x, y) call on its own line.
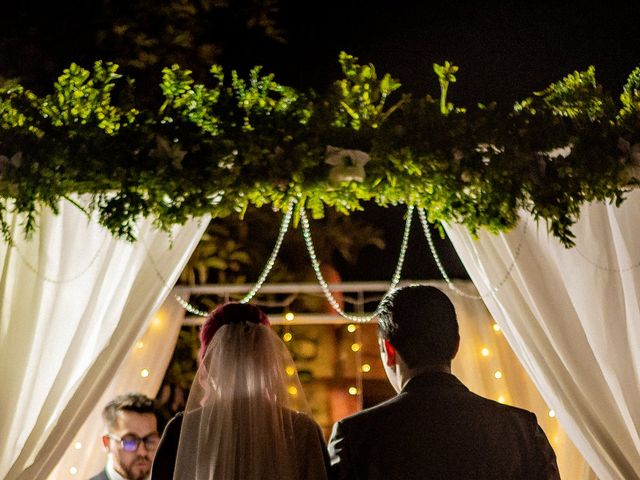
point(293, 391)
point(552, 413)
point(290, 370)
point(144, 373)
point(353, 391)
point(355, 347)
point(498, 374)
point(77, 445)
point(496, 327)
point(156, 322)
point(484, 352)
point(140, 345)
point(73, 470)
point(501, 399)
point(351, 328)
point(365, 367)
point(289, 317)
point(287, 337)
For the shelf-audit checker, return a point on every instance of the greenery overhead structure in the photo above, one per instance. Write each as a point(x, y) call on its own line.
point(234, 142)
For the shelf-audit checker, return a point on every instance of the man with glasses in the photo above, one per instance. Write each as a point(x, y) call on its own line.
point(131, 439)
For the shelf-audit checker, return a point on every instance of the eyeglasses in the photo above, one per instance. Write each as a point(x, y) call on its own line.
point(130, 442)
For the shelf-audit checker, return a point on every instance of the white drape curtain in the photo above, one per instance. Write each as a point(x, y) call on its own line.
point(488, 366)
point(72, 302)
point(572, 316)
point(141, 371)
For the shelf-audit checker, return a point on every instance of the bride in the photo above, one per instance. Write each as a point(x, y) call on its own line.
point(246, 415)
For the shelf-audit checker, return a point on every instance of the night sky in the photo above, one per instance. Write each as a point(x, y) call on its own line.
point(505, 50)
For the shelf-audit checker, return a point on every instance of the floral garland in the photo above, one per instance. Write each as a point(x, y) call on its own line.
point(220, 147)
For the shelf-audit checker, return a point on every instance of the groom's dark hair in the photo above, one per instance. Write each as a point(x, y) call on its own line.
point(420, 322)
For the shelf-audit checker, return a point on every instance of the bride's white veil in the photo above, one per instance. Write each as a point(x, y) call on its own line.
point(242, 407)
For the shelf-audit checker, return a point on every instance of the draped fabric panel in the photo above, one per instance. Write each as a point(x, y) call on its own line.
point(73, 300)
point(572, 317)
point(141, 371)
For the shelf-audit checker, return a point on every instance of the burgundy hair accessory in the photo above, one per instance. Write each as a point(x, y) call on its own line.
point(231, 312)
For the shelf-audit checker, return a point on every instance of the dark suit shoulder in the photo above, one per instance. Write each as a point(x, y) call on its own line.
point(434, 422)
point(377, 411)
point(501, 407)
point(498, 409)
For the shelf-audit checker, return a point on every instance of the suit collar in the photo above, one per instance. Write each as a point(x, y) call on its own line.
point(428, 380)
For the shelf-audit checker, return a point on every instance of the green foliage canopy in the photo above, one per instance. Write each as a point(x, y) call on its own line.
point(233, 142)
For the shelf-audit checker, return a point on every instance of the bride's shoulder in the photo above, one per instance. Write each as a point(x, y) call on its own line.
point(303, 422)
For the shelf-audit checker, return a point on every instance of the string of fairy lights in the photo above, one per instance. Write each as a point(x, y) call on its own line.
point(311, 250)
point(395, 279)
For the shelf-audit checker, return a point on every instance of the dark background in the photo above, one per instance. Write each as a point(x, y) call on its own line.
point(505, 51)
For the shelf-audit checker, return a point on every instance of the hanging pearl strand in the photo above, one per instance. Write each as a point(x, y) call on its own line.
point(284, 227)
point(190, 308)
point(425, 226)
point(70, 278)
point(306, 233)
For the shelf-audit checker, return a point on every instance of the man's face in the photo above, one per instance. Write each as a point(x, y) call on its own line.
point(134, 465)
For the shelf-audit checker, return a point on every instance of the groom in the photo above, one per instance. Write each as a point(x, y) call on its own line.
point(435, 428)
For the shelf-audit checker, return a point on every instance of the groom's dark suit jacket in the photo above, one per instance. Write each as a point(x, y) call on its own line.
point(437, 429)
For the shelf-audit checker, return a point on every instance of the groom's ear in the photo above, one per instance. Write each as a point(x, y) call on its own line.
point(390, 353)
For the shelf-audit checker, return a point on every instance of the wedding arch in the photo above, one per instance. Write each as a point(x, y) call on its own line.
point(84, 172)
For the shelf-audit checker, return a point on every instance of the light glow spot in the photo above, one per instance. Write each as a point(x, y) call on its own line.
point(485, 352)
point(144, 373)
point(353, 391)
point(140, 345)
point(356, 347)
point(498, 374)
point(290, 370)
point(77, 446)
point(365, 367)
point(287, 337)
point(289, 317)
point(501, 399)
point(552, 413)
point(351, 328)
point(496, 327)
point(73, 470)
point(293, 391)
